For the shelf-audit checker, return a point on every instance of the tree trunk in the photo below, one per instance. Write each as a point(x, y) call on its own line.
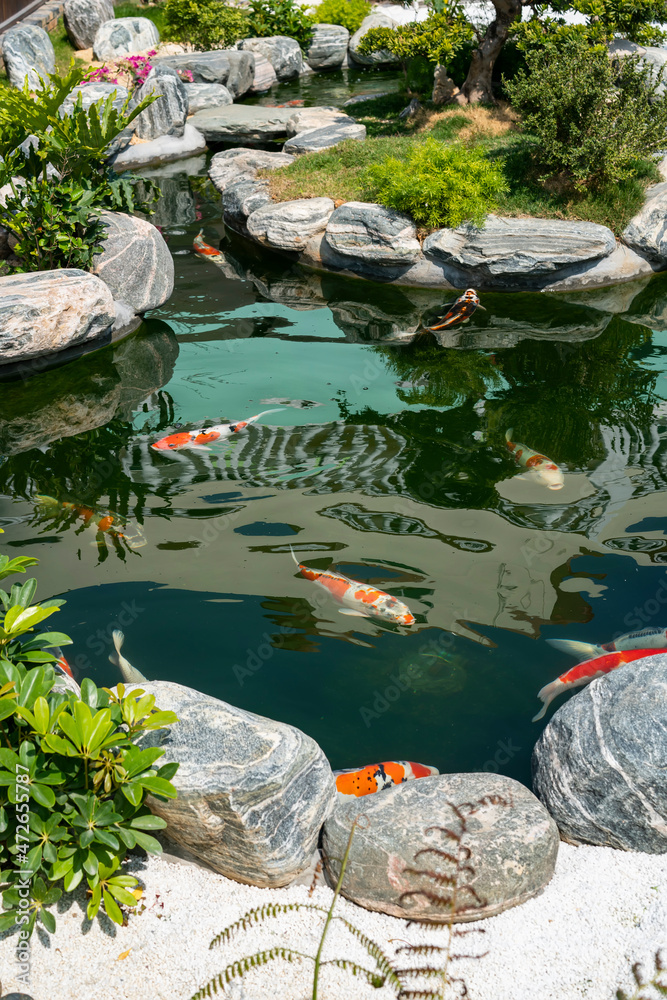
point(477, 87)
point(444, 88)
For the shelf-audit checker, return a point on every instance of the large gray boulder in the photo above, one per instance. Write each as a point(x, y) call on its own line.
point(83, 18)
point(316, 140)
point(380, 58)
point(252, 793)
point(207, 95)
point(599, 765)
point(513, 844)
point(166, 115)
point(362, 231)
point(135, 263)
point(27, 52)
point(521, 247)
point(328, 46)
point(282, 52)
point(164, 149)
point(265, 75)
point(91, 93)
point(288, 224)
point(647, 231)
point(231, 165)
point(124, 36)
point(242, 198)
point(43, 312)
point(241, 72)
point(245, 123)
point(206, 67)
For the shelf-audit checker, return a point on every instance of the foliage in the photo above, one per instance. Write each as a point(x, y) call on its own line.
point(280, 17)
point(592, 119)
point(647, 988)
point(206, 24)
point(438, 184)
point(72, 779)
point(349, 13)
point(438, 38)
point(633, 19)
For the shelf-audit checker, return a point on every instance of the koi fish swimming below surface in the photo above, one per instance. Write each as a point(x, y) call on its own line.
point(203, 436)
point(376, 777)
point(130, 674)
point(458, 311)
point(586, 672)
point(361, 599)
point(205, 249)
point(542, 469)
point(645, 638)
point(99, 521)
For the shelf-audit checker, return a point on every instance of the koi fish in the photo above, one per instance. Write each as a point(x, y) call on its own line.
point(204, 249)
point(198, 439)
point(64, 674)
point(377, 777)
point(362, 600)
point(101, 520)
point(130, 674)
point(587, 671)
point(646, 638)
point(542, 469)
point(458, 311)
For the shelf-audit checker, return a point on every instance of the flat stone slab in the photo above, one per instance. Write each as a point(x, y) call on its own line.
point(231, 165)
point(622, 265)
point(252, 793)
point(162, 150)
point(207, 95)
point(513, 847)
point(27, 52)
point(288, 224)
point(647, 231)
point(314, 141)
point(135, 263)
point(599, 765)
point(308, 119)
point(206, 67)
point(123, 36)
point(328, 47)
point(371, 233)
point(242, 122)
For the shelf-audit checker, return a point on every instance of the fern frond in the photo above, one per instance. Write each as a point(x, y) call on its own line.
point(382, 960)
point(374, 978)
point(239, 968)
point(423, 949)
point(258, 916)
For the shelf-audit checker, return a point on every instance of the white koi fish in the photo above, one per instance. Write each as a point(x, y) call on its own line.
point(130, 674)
point(646, 638)
point(541, 468)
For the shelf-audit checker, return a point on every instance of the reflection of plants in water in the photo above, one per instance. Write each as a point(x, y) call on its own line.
point(441, 673)
point(449, 376)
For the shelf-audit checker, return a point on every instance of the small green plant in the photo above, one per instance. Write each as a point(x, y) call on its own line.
point(438, 39)
point(348, 13)
point(438, 184)
point(280, 17)
point(206, 24)
point(647, 988)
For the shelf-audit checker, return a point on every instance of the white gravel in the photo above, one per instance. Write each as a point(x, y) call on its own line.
point(603, 910)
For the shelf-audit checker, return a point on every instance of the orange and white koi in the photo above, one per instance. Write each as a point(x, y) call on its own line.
point(203, 436)
point(587, 671)
point(101, 520)
point(541, 468)
point(458, 311)
point(361, 599)
point(204, 249)
point(376, 777)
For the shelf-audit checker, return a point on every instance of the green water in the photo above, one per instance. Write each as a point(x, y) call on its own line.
point(387, 461)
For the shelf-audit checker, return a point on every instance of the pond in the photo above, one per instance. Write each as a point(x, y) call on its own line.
point(386, 459)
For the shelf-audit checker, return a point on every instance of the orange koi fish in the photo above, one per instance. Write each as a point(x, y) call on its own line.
point(198, 439)
point(586, 672)
point(103, 521)
point(458, 311)
point(362, 600)
point(541, 468)
point(204, 249)
point(377, 777)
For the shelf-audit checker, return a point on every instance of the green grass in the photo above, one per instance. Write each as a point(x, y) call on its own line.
point(154, 13)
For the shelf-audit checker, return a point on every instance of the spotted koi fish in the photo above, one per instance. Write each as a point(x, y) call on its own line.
point(102, 521)
point(204, 249)
point(541, 468)
point(377, 777)
point(646, 638)
point(458, 311)
point(64, 674)
point(361, 600)
point(586, 672)
point(199, 439)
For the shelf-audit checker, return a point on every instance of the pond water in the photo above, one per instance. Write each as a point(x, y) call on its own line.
point(386, 461)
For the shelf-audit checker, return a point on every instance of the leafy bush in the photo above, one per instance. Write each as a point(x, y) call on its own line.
point(206, 24)
point(593, 119)
point(72, 780)
point(438, 38)
point(633, 19)
point(438, 184)
point(349, 13)
point(280, 17)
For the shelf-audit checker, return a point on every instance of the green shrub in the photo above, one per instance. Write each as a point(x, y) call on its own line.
point(592, 118)
point(438, 38)
point(349, 13)
point(437, 184)
point(206, 24)
point(280, 17)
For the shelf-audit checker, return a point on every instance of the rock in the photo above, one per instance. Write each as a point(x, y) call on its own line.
point(232, 165)
point(207, 95)
point(47, 311)
point(309, 119)
point(412, 109)
point(27, 52)
point(161, 150)
point(206, 67)
point(444, 88)
point(167, 115)
point(252, 793)
point(362, 98)
point(83, 19)
point(647, 231)
point(622, 265)
point(241, 72)
point(265, 75)
point(242, 198)
point(282, 52)
point(381, 58)
point(362, 231)
point(513, 846)
point(123, 36)
point(599, 764)
point(324, 138)
point(328, 47)
point(242, 122)
point(654, 56)
point(93, 92)
point(288, 224)
point(523, 247)
point(135, 263)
